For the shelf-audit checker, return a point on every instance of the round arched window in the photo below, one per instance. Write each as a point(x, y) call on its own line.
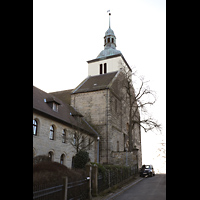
point(35, 126)
point(50, 155)
point(62, 159)
point(51, 134)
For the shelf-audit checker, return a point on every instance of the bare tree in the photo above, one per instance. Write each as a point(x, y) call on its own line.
point(80, 141)
point(138, 101)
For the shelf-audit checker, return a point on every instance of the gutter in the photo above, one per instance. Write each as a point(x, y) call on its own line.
point(107, 123)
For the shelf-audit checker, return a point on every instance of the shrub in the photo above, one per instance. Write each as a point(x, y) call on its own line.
point(80, 159)
point(45, 172)
point(41, 158)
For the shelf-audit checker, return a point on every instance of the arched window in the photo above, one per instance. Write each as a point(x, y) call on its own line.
point(50, 155)
point(35, 127)
point(105, 68)
point(108, 40)
point(63, 136)
point(62, 159)
point(51, 134)
point(112, 40)
point(101, 69)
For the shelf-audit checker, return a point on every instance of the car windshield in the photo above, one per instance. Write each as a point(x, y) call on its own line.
point(147, 167)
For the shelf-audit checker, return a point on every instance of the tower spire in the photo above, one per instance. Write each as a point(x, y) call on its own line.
point(109, 17)
point(109, 42)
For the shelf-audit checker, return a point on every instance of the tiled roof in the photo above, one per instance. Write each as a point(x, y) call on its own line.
point(65, 114)
point(94, 83)
point(64, 95)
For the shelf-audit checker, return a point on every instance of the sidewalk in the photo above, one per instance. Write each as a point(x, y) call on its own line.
point(111, 195)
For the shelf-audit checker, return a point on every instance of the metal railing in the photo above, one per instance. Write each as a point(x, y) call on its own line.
point(75, 190)
point(49, 191)
point(111, 177)
point(78, 189)
point(52, 192)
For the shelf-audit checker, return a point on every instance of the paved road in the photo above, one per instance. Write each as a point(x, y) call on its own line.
point(151, 188)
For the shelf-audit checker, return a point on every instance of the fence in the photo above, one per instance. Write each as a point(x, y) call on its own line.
point(78, 190)
point(95, 183)
point(62, 190)
point(112, 177)
point(49, 191)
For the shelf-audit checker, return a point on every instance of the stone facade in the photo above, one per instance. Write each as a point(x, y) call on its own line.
point(42, 145)
point(108, 111)
point(59, 131)
point(103, 101)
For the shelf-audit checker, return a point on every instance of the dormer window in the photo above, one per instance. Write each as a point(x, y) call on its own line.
point(55, 107)
point(52, 103)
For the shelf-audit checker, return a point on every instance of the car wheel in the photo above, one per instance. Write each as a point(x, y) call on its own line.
point(151, 174)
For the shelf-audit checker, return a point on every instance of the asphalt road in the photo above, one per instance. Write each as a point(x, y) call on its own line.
point(151, 188)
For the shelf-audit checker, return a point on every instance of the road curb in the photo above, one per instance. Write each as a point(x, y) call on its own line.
point(111, 196)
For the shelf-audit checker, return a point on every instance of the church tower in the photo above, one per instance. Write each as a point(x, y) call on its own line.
point(100, 98)
point(110, 59)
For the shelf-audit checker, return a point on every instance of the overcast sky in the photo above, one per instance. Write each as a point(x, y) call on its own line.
point(66, 34)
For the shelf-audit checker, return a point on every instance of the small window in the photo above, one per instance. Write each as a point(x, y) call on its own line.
point(105, 41)
point(127, 126)
point(118, 146)
point(105, 68)
point(112, 40)
point(50, 155)
point(74, 136)
point(108, 40)
point(62, 159)
point(51, 134)
point(55, 107)
point(101, 69)
point(83, 142)
point(63, 136)
point(35, 127)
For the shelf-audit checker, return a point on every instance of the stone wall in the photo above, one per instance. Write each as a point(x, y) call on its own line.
point(93, 106)
point(108, 111)
point(42, 145)
point(123, 158)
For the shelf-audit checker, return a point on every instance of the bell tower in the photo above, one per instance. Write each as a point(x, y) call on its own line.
point(109, 39)
point(108, 60)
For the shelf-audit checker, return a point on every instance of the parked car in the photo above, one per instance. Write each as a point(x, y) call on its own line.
point(147, 170)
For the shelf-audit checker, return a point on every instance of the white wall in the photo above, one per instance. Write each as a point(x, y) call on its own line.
point(113, 64)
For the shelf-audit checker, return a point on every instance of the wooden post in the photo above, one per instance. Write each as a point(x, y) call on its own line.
point(88, 171)
point(65, 184)
point(94, 180)
point(109, 178)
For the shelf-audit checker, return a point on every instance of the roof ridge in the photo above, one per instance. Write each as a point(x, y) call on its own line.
point(113, 79)
point(80, 84)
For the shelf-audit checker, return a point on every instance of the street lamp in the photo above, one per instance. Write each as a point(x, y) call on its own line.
point(98, 138)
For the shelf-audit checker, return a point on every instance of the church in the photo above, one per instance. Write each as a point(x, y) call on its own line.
point(102, 102)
